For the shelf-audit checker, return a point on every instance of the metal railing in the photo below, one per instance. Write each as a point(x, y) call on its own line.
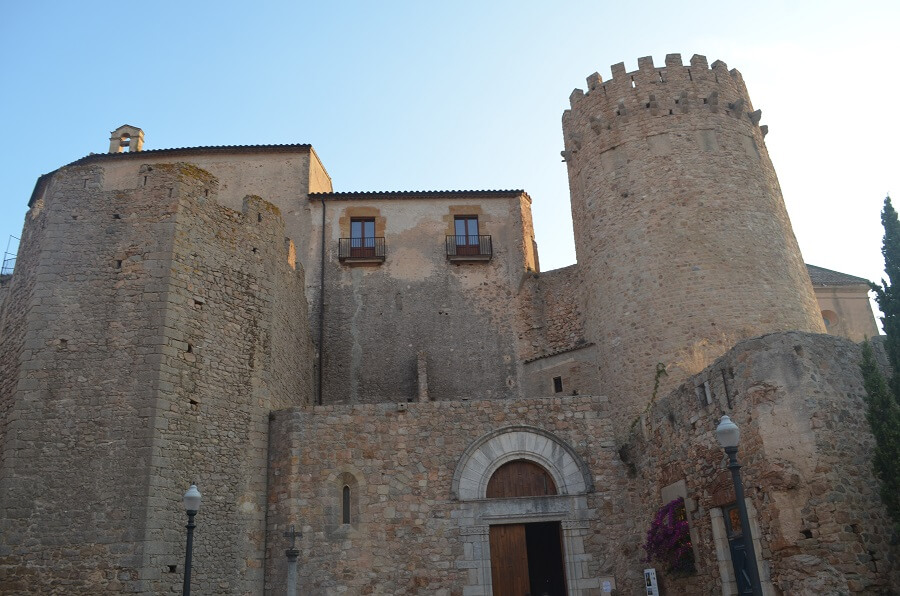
point(9, 256)
point(469, 247)
point(361, 249)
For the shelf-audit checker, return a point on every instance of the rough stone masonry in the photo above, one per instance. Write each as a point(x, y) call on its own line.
point(364, 366)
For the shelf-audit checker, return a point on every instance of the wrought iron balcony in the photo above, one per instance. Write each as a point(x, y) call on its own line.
point(362, 250)
point(469, 248)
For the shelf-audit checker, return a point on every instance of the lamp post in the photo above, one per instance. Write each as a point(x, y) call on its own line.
point(292, 554)
point(191, 506)
point(729, 435)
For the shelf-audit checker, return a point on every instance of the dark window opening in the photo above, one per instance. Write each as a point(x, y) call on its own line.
point(557, 385)
point(345, 505)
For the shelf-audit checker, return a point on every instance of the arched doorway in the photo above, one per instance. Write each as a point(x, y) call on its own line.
point(514, 482)
point(526, 558)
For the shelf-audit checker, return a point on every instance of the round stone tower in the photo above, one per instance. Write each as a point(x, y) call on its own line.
point(681, 232)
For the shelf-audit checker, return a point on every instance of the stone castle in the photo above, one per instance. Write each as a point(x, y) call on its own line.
point(392, 374)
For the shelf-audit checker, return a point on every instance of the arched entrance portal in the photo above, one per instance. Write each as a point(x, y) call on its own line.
point(525, 558)
point(523, 514)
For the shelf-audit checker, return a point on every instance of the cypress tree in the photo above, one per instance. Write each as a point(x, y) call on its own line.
point(887, 295)
point(883, 415)
point(883, 398)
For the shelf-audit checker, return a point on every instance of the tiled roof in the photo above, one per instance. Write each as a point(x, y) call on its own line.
point(176, 151)
point(417, 194)
point(826, 277)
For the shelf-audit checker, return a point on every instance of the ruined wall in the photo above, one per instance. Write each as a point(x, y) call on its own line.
point(806, 450)
point(147, 364)
point(680, 228)
point(408, 533)
point(380, 315)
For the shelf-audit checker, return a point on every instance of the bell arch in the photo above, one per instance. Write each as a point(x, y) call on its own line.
point(486, 454)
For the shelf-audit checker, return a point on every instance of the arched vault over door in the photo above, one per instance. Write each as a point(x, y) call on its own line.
point(479, 462)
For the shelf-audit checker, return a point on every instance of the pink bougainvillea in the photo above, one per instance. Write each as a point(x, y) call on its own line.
point(669, 539)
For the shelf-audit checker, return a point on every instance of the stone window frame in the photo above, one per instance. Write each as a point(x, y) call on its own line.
point(334, 495)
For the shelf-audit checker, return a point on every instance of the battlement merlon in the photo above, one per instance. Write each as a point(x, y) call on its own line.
point(674, 88)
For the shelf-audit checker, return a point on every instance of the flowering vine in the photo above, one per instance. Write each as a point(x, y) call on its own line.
point(669, 539)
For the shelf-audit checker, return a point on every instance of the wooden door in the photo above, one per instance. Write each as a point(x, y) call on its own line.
point(509, 560)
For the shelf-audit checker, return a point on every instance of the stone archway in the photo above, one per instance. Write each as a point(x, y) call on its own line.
point(479, 462)
point(568, 508)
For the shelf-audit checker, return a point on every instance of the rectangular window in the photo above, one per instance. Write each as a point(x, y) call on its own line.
point(465, 227)
point(557, 385)
point(362, 237)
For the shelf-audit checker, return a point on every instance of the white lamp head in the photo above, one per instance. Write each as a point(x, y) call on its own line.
point(192, 499)
point(727, 433)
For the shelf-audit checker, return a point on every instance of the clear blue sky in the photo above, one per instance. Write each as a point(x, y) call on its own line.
point(452, 95)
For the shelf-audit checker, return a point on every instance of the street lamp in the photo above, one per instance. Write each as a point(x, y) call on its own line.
point(729, 435)
point(292, 554)
point(191, 506)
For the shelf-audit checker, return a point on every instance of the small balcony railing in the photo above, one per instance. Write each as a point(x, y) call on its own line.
point(9, 263)
point(469, 248)
point(361, 249)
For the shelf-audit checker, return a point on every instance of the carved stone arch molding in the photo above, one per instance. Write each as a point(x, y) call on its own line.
point(482, 458)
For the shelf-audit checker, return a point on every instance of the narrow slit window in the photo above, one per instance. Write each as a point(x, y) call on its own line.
point(345, 505)
point(557, 385)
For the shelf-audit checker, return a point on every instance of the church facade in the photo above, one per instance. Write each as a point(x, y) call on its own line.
point(393, 376)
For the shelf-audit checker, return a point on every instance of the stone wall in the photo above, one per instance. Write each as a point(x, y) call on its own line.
point(236, 324)
point(806, 450)
point(144, 362)
point(78, 376)
point(568, 372)
point(847, 311)
point(412, 529)
point(551, 317)
point(551, 336)
point(681, 232)
point(283, 174)
point(4, 289)
point(380, 315)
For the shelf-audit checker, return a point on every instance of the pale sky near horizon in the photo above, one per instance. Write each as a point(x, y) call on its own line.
point(454, 95)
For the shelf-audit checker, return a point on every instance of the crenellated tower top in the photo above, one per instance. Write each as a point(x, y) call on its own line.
point(651, 92)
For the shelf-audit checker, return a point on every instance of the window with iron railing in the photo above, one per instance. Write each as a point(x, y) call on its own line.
point(472, 248)
point(363, 244)
point(466, 243)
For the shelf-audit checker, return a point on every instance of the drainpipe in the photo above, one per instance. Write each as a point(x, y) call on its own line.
point(321, 307)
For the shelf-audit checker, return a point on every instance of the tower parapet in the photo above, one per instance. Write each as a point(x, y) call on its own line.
point(650, 92)
point(681, 231)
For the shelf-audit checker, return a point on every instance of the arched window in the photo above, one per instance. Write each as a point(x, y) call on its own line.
point(520, 478)
point(345, 505)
